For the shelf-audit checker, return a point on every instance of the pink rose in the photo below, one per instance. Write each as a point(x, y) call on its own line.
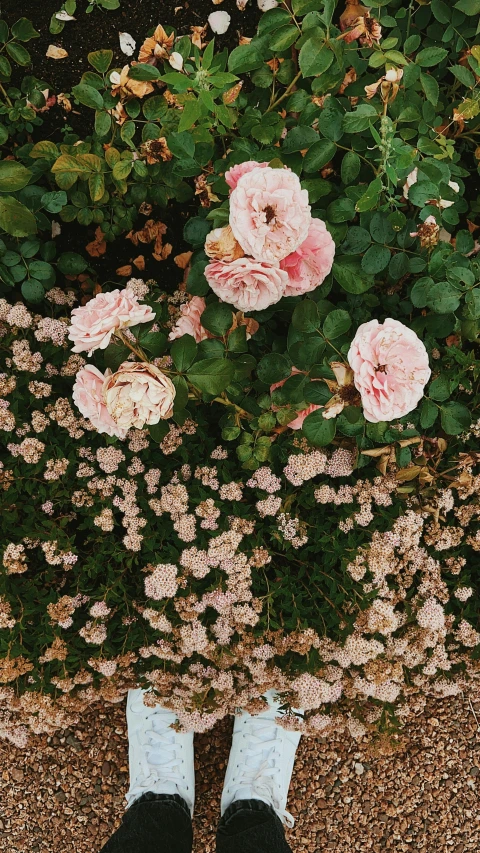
point(297, 422)
point(269, 213)
point(189, 322)
point(233, 175)
point(310, 264)
point(390, 366)
point(138, 395)
point(247, 284)
point(89, 398)
point(94, 323)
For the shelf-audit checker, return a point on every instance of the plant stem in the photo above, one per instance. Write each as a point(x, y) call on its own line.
point(226, 402)
point(2, 90)
point(138, 351)
point(285, 94)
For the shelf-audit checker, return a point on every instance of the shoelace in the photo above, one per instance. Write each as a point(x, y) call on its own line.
point(158, 757)
point(260, 769)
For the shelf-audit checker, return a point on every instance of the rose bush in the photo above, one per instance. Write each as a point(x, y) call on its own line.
point(264, 472)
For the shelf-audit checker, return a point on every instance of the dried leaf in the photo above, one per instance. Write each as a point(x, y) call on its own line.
point(145, 208)
point(125, 270)
point(98, 246)
point(183, 259)
point(197, 36)
point(55, 52)
point(139, 262)
point(378, 451)
point(64, 102)
point(408, 473)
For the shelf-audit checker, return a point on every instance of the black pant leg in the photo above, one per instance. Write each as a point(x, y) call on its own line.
point(155, 823)
point(251, 826)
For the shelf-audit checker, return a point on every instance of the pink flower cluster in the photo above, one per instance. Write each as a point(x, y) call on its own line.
point(272, 247)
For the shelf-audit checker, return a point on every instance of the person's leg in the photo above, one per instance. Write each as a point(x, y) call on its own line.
point(251, 826)
point(155, 823)
point(256, 785)
point(162, 783)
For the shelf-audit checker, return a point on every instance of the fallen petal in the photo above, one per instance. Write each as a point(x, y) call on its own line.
point(127, 44)
point(64, 16)
point(219, 22)
point(55, 52)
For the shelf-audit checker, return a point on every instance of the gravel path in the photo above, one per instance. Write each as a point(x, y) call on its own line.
point(65, 794)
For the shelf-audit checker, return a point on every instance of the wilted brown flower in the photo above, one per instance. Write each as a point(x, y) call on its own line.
point(222, 245)
point(204, 191)
point(156, 150)
point(156, 47)
point(126, 88)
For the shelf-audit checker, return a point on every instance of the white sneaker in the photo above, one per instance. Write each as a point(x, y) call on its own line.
point(161, 759)
point(261, 760)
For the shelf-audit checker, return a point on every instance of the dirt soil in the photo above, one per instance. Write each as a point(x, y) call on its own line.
point(66, 794)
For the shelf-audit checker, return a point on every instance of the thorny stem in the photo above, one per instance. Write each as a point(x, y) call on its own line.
point(138, 351)
point(227, 402)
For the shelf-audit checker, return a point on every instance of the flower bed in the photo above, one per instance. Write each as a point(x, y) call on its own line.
point(264, 474)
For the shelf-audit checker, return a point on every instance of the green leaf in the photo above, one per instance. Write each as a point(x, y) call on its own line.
point(54, 201)
point(274, 367)
point(122, 169)
point(158, 431)
point(15, 218)
point(440, 389)
point(244, 58)
point(357, 240)
point(96, 186)
point(430, 56)
point(41, 270)
point(305, 318)
point(350, 275)
point(463, 74)
point(13, 176)
point(211, 375)
point(190, 114)
point(455, 418)
point(441, 11)
point(318, 155)
point(315, 57)
point(100, 60)
point(301, 7)
point(336, 324)
point(183, 352)
point(46, 149)
point(371, 196)
point(428, 413)
point(32, 290)
point(359, 119)
point(195, 231)
point(283, 38)
point(443, 297)
point(299, 138)
point(71, 263)
point(470, 7)
point(154, 342)
point(182, 145)
point(23, 30)
point(217, 318)
point(144, 72)
point(376, 259)
point(18, 53)
point(430, 87)
point(88, 96)
point(103, 123)
point(114, 355)
point(318, 430)
point(350, 167)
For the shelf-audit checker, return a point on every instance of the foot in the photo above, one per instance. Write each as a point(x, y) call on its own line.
point(161, 759)
point(261, 760)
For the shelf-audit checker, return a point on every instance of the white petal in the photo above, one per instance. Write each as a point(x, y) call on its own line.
point(64, 16)
point(265, 5)
point(54, 52)
point(241, 5)
point(115, 78)
point(127, 44)
point(176, 60)
point(219, 22)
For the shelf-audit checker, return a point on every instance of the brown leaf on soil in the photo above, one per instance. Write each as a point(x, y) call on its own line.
point(232, 94)
point(163, 254)
point(145, 208)
point(64, 102)
point(151, 231)
point(183, 259)
point(197, 36)
point(244, 40)
point(472, 226)
point(139, 262)
point(125, 270)
point(98, 246)
point(97, 289)
point(55, 52)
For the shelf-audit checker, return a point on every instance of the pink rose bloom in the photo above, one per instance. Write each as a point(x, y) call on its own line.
point(297, 422)
point(89, 398)
point(247, 284)
point(269, 213)
point(94, 323)
point(390, 366)
point(310, 264)
point(138, 395)
point(233, 175)
point(189, 322)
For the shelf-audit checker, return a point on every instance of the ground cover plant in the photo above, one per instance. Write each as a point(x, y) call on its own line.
point(255, 465)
